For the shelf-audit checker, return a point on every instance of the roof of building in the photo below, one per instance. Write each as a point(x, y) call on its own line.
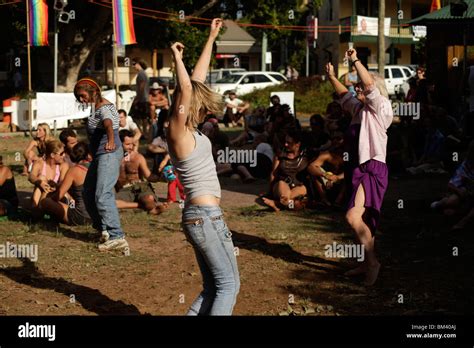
point(235, 33)
point(444, 14)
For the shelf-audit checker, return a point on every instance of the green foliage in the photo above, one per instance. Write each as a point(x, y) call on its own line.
point(311, 95)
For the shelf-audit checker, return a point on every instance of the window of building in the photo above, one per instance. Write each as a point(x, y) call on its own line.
point(244, 62)
point(362, 7)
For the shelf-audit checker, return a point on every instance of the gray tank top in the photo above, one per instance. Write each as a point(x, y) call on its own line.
point(197, 172)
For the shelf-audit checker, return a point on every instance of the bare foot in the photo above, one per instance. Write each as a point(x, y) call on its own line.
point(249, 180)
point(271, 203)
point(356, 271)
point(372, 274)
point(158, 209)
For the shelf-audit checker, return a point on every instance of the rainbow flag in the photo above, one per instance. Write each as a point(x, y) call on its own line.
point(38, 22)
point(123, 21)
point(435, 5)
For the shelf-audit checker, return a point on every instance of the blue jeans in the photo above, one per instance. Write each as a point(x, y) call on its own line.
point(214, 251)
point(99, 193)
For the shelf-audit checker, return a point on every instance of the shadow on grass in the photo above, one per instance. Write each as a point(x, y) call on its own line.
point(280, 251)
point(90, 299)
point(51, 226)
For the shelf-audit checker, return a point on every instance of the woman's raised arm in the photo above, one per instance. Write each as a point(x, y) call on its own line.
point(183, 95)
point(200, 70)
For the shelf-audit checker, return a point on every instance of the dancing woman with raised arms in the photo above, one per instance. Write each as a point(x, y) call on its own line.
point(371, 115)
point(191, 154)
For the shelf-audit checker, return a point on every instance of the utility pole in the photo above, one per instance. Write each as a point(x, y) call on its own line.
point(381, 38)
point(264, 52)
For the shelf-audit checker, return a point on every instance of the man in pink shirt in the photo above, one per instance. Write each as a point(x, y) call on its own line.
point(371, 116)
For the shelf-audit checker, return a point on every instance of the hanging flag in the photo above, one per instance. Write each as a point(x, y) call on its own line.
point(435, 5)
point(38, 22)
point(123, 21)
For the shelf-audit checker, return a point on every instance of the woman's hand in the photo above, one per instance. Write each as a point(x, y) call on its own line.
point(351, 54)
point(177, 48)
point(330, 70)
point(216, 25)
point(43, 185)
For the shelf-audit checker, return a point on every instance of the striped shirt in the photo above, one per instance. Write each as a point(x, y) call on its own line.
point(96, 130)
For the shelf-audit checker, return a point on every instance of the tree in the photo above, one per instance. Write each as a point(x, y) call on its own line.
point(381, 37)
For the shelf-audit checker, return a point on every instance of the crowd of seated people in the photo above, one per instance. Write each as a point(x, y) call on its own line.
point(302, 166)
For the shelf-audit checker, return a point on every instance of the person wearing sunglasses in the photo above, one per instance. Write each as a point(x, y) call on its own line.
point(46, 174)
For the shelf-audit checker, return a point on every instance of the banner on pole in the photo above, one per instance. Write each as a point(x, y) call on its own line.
point(38, 18)
point(123, 21)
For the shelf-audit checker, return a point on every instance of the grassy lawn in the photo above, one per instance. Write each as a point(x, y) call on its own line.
point(282, 262)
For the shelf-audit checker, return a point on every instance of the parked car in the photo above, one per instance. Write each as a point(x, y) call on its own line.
point(396, 75)
point(246, 82)
point(217, 74)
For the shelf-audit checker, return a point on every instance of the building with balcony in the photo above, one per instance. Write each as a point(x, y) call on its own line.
point(356, 21)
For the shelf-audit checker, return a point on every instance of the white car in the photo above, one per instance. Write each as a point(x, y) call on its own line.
point(246, 82)
point(217, 74)
point(396, 77)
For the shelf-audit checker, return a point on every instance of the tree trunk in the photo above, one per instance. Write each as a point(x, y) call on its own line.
point(71, 57)
point(381, 38)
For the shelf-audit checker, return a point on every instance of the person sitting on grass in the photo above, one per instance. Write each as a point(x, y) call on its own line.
point(127, 123)
point(43, 134)
point(8, 194)
point(316, 140)
point(235, 109)
point(69, 139)
point(460, 197)
point(74, 212)
point(431, 159)
point(329, 171)
point(254, 125)
point(132, 191)
point(47, 174)
point(286, 187)
point(262, 167)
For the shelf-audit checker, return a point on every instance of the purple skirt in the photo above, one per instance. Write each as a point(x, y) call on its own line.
point(373, 175)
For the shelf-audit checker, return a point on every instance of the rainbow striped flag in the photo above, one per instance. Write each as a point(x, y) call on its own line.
point(38, 22)
point(435, 5)
point(123, 21)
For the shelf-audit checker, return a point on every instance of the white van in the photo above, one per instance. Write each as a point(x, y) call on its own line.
point(396, 76)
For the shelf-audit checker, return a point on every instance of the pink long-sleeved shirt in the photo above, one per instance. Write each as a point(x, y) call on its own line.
point(374, 116)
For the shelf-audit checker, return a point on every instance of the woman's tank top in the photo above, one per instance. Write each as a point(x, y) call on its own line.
point(197, 172)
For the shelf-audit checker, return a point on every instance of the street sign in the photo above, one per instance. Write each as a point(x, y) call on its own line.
point(268, 58)
point(312, 33)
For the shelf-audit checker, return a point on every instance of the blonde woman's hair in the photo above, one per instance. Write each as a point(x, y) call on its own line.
point(203, 100)
point(53, 146)
point(46, 129)
point(380, 84)
point(48, 136)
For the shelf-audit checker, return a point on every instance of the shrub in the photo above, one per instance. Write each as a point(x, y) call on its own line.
point(311, 94)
